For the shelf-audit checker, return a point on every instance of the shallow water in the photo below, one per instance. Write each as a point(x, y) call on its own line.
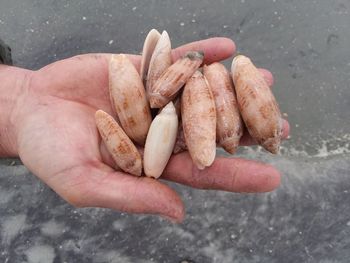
point(304, 43)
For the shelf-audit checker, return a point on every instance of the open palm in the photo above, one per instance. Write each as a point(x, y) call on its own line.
point(58, 142)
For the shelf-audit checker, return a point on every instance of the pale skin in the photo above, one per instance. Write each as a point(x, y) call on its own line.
point(47, 120)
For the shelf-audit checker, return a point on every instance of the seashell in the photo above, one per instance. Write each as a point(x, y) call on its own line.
point(229, 125)
point(147, 51)
point(160, 61)
point(160, 141)
point(129, 98)
point(257, 104)
point(199, 120)
point(171, 81)
point(118, 144)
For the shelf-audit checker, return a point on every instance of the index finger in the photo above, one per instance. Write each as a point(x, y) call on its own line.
point(215, 49)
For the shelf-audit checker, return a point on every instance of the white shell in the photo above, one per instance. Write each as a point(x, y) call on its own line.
point(147, 51)
point(160, 141)
point(161, 59)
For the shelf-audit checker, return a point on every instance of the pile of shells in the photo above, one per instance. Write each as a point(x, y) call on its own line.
point(198, 110)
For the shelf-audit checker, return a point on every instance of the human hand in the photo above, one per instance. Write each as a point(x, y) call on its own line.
point(58, 141)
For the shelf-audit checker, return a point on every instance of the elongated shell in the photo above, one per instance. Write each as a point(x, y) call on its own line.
point(170, 82)
point(160, 141)
point(160, 61)
point(257, 104)
point(147, 51)
point(129, 98)
point(121, 148)
point(199, 120)
point(229, 126)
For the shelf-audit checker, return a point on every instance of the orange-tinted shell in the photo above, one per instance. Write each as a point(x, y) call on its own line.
point(129, 98)
point(229, 126)
point(257, 104)
point(199, 120)
point(118, 144)
point(173, 79)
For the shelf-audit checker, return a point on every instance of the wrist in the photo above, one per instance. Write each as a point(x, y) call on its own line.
point(14, 84)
